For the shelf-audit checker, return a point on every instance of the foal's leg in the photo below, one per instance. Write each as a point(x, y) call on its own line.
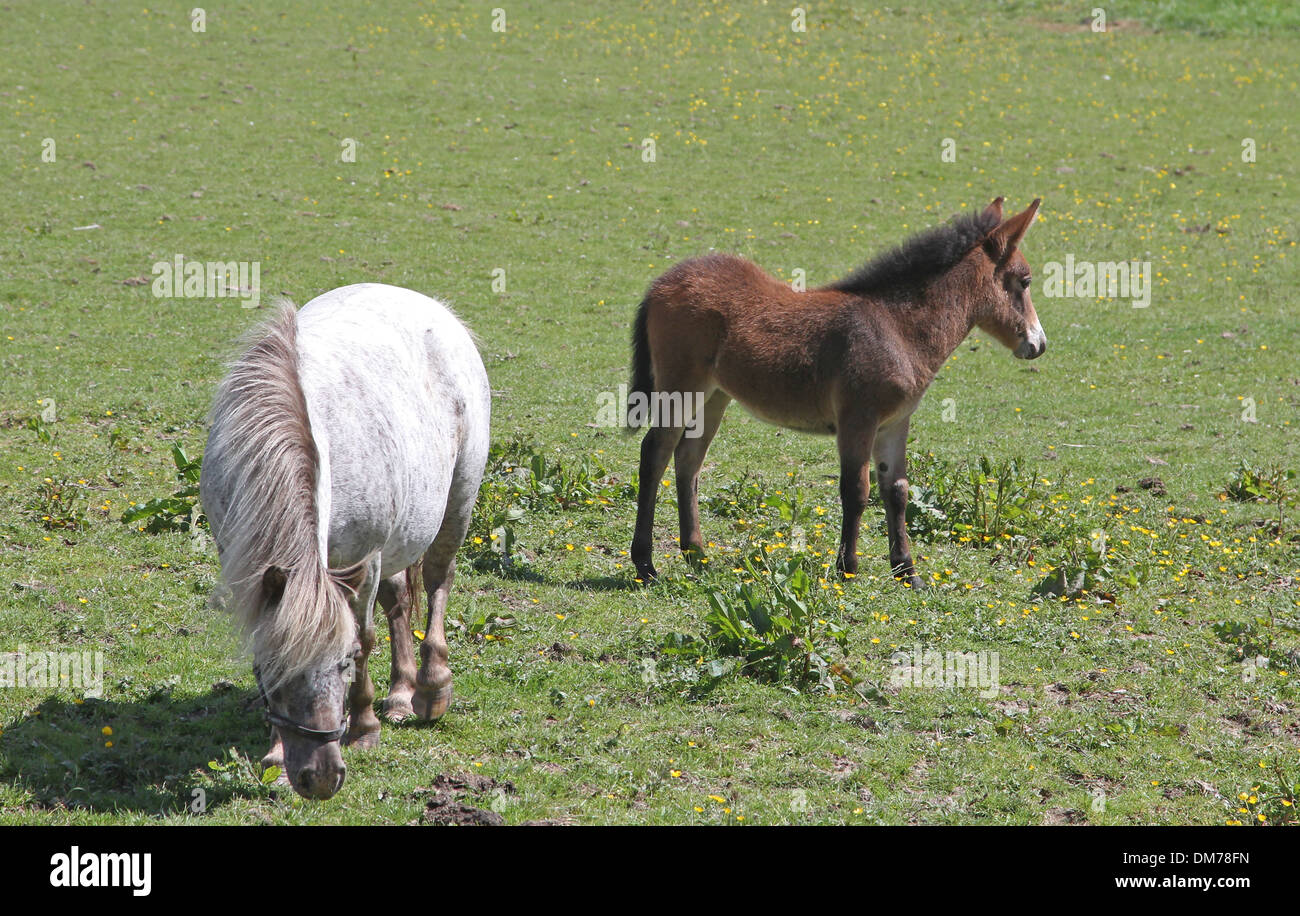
point(854, 440)
point(656, 448)
point(397, 595)
point(363, 724)
point(687, 459)
point(891, 478)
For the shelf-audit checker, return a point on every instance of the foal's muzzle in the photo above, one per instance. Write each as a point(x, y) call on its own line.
point(1033, 345)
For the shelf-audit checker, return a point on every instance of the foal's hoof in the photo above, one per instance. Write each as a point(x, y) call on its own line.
point(647, 573)
point(915, 582)
point(430, 703)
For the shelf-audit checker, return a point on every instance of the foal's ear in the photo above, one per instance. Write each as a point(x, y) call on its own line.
point(273, 582)
point(993, 212)
point(1004, 239)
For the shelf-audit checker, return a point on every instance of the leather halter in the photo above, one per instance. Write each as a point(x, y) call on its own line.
point(302, 731)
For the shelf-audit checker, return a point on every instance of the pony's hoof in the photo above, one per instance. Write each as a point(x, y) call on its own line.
point(647, 573)
point(916, 582)
point(365, 740)
point(398, 708)
point(274, 757)
point(430, 703)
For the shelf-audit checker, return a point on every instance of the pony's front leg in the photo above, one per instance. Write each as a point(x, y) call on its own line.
point(275, 756)
point(397, 595)
point(854, 439)
point(891, 478)
point(363, 724)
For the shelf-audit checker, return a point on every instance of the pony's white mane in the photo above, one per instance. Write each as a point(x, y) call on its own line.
point(261, 445)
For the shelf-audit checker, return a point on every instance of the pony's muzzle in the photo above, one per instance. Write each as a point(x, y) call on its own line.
point(1033, 345)
point(319, 783)
point(316, 769)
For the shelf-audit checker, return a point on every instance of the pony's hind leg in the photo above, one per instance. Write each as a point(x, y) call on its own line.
point(397, 597)
point(433, 681)
point(687, 459)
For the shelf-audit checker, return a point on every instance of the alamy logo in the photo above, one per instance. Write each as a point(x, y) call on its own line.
point(103, 869)
point(946, 670)
point(82, 671)
point(1090, 279)
point(658, 408)
point(183, 279)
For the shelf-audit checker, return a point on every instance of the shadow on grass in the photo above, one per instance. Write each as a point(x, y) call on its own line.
point(160, 751)
point(532, 575)
point(605, 584)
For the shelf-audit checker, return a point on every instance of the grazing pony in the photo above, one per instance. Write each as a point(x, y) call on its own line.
point(850, 360)
point(345, 453)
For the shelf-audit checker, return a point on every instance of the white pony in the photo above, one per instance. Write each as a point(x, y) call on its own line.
point(345, 453)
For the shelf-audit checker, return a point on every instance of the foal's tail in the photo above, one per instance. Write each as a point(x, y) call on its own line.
point(643, 376)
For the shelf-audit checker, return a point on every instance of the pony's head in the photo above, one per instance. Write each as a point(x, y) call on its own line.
point(305, 679)
point(1004, 308)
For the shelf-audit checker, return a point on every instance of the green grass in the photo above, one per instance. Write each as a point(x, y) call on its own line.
point(522, 151)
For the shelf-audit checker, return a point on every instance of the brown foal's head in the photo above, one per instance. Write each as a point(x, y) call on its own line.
point(1006, 311)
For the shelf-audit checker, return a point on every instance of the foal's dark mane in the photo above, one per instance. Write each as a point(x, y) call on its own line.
point(921, 258)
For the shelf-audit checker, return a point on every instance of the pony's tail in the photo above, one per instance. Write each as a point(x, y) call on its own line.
point(414, 579)
point(643, 377)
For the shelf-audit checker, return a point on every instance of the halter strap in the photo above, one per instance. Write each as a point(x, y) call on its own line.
point(285, 724)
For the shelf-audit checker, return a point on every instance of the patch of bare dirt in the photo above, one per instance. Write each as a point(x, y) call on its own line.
point(445, 807)
point(1062, 817)
point(444, 811)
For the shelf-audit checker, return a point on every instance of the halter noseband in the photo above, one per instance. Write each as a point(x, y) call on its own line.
point(302, 731)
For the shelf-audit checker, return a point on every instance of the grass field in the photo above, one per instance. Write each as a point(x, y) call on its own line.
point(508, 173)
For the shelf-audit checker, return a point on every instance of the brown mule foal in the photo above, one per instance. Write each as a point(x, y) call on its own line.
point(850, 360)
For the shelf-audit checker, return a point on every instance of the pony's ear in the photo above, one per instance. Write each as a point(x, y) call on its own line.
point(993, 212)
point(273, 582)
point(1003, 240)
